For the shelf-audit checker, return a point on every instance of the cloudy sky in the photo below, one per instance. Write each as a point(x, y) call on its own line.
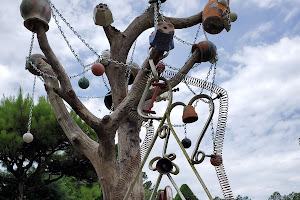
point(258, 67)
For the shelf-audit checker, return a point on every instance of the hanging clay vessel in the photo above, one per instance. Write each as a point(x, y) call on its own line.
point(162, 38)
point(189, 114)
point(108, 101)
point(103, 15)
point(208, 50)
point(34, 12)
point(214, 16)
point(33, 58)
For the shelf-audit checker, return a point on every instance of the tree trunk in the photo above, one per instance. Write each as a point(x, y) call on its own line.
point(21, 190)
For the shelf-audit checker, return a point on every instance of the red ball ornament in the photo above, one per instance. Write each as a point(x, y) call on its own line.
point(98, 69)
point(216, 160)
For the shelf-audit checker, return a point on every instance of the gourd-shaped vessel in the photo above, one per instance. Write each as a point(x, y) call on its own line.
point(208, 51)
point(102, 15)
point(34, 12)
point(214, 16)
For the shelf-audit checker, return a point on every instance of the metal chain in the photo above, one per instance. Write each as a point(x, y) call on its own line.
point(105, 83)
point(128, 71)
point(160, 11)
point(33, 89)
point(87, 97)
point(31, 106)
point(82, 40)
point(155, 15)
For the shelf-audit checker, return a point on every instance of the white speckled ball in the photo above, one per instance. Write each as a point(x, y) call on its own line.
point(27, 137)
point(105, 53)
point(225, 2)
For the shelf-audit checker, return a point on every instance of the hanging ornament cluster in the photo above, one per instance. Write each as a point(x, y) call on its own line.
point(102, 15)
point(34, 12)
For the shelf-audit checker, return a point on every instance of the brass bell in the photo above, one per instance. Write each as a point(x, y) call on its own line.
point(164, 166)
point(103, 15)
point(189, 114)
point(35, 11)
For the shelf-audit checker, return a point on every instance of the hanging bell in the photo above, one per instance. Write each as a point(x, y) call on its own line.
point(83, 83)
point(103, 15)
point(216, 160)
point(189, 114)
point(27, 137)
point(186, 143)
point(162, 38)
point(34, 11)
point(98, 69)
point(32, 60)
point(164, 166)
point(208, 51)
point(155, 1)
point(108, 102)
point(213, 16)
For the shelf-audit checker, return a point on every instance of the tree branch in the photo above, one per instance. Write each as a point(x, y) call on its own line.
point(76, 136)
point(180, 23)
point(111, 33)
point(66, 91)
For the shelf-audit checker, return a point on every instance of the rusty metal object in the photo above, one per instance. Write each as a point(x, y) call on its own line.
point(35, 11)
point(213, 16)
point(208, 50)
point(189, 114)
point(102, 15)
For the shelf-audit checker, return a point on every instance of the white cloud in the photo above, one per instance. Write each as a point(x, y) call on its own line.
point(257, 32)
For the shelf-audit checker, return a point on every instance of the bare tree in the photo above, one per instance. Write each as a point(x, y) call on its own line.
point(110, 170)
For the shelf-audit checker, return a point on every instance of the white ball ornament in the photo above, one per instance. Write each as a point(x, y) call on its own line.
point(27, 137)
point(105, 53)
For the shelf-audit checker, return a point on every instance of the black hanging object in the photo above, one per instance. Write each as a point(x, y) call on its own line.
point(108, 101)
point(186, 142)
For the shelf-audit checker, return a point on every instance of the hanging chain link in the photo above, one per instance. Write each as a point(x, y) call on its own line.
point(155, 15)
point(33, 88)
point(128, 71)
point(160, 11)
point(105, 83)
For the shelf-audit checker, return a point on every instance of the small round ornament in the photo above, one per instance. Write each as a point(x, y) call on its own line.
point(83, 83)
point(186, 143)
point(27, 137)
point(105, 53)
point(216, 160)
point(98, 69)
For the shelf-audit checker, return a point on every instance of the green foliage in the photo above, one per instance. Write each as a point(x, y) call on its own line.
point(49, 153)
point(187, 193)
point(292, 196)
